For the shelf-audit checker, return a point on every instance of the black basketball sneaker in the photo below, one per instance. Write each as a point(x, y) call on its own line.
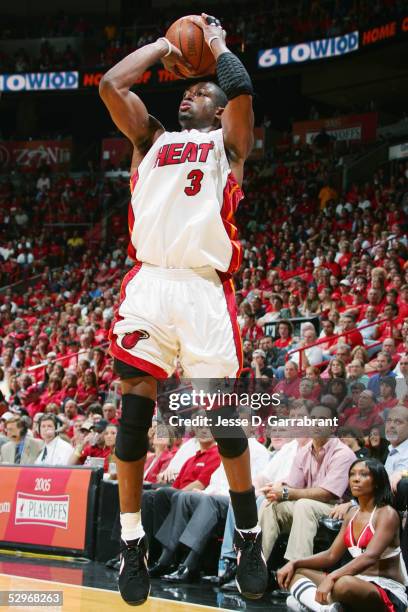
point(134, 582)
point(252, 573)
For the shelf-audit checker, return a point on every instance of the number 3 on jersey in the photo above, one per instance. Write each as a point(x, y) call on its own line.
point(195, 177)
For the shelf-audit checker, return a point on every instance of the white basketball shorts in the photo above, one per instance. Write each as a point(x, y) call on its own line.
point(167, 313)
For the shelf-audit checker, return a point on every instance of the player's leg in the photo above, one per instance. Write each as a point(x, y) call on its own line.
point(211, 349)
point(252, 575)
point(138, 402)
point(143, 344)
point(144, 348)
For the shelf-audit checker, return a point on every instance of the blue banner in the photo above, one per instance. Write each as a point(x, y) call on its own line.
point(39, 81)
point(306, 52)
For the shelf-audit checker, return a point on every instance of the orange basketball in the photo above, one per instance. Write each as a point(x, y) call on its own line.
point(188, 37)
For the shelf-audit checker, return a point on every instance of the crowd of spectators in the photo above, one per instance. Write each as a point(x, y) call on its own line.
point(322, 297)
point(253, 25)
point(317, 263)
point(44, 219)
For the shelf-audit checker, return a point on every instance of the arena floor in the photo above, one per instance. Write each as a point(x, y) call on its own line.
point(89, 586)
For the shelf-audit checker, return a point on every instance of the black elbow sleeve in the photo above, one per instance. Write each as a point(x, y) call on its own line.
point(232, 76)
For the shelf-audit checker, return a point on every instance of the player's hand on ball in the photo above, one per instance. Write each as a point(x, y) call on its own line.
point(176, 57)
point(211, 26)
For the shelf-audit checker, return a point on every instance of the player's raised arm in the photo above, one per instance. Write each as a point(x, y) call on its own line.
point(238, 118)
point(127, 110)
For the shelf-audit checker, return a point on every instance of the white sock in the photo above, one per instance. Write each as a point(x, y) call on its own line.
point(131, 524)
point(304, 590)
point(255, 529)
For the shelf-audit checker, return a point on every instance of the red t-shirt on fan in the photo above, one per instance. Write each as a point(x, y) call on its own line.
point(199, 467)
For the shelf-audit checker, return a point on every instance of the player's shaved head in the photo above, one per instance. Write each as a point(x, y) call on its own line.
point(220, 98)
point(217, 94)
point(202, 106)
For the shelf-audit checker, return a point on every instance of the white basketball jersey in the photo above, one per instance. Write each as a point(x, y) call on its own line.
point(184, 197)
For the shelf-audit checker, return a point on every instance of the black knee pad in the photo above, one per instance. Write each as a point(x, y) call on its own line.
point(231, 439)
point(131, 440)
point(230, 448)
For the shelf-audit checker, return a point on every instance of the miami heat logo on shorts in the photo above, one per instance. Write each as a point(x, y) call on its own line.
point(130, 339)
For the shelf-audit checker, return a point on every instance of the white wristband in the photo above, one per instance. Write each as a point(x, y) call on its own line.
point(211, 39)
point(168, 44)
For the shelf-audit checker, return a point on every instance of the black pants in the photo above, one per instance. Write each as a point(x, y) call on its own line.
point(192, 520)
point(156, 504)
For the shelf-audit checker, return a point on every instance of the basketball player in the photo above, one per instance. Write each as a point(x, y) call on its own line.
point(178, 299)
